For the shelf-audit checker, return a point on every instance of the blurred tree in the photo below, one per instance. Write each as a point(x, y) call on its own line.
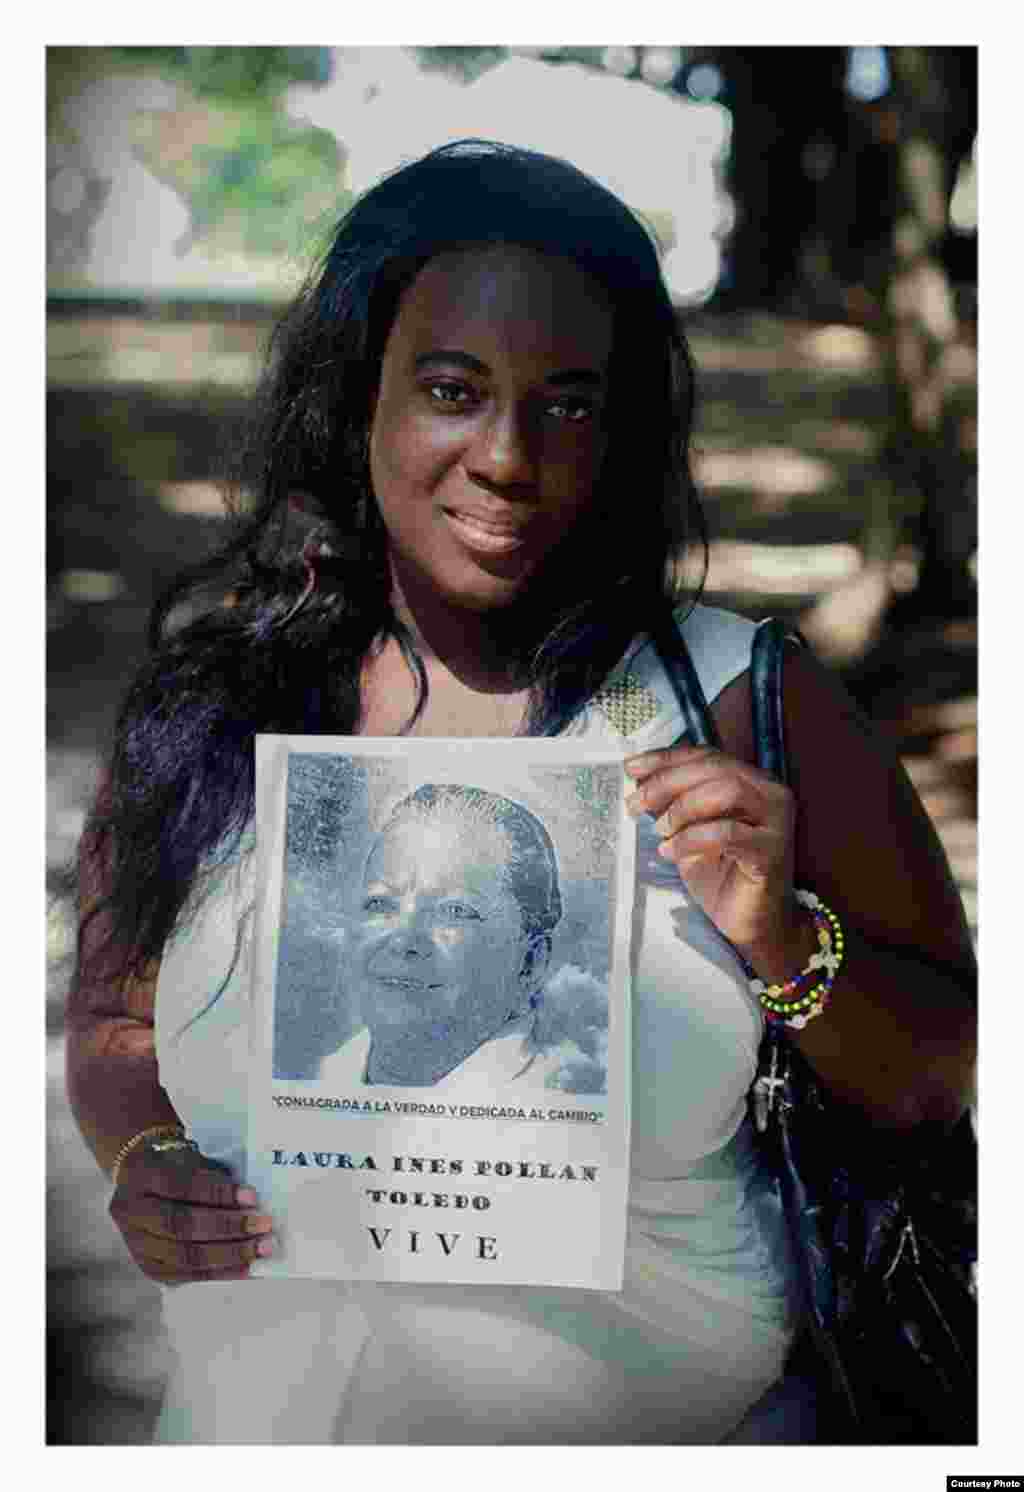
point(259, 174)
point(253, 179)
point(790, 125)
point(843, 165)
point(240, 73)
point(928, 122)
point(463, 63)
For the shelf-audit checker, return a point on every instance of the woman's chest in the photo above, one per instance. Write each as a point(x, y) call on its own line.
point(451, 708)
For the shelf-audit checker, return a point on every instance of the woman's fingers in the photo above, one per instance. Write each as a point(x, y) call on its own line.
point(170, 1258)
point(720, 799)
point(758, 852)
point(660, 774)
point(678, 790)
point(649, 763)
point(182, 1243)
point(180, 1220)
point(183, 1217)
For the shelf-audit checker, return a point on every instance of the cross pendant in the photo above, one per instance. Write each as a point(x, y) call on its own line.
point(764, 1092)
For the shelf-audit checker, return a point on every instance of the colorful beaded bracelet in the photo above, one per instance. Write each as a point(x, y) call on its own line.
point(797, 1012)
point(827, 926)
point(815, 1004)
point(798, 1022)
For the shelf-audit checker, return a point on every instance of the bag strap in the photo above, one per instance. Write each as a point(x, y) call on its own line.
point(766, 656)
point(674, 656)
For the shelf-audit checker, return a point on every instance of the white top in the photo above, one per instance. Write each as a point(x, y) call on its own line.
point(702, 1325)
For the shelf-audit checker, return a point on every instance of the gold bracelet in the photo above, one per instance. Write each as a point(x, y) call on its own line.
point(143, 1134)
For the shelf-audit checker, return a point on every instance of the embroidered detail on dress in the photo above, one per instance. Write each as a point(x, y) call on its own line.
point(627, 704)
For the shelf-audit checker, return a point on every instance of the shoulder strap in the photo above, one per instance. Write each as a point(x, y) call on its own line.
point(675, 659)
point(765, 690)
point(766, 695)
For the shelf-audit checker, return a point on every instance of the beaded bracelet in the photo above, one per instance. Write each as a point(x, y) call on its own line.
point(830, 937)
point(173, 1130)
point(810, 1002)
point(826, 925)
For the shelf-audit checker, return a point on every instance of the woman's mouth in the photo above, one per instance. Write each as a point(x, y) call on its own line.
point(485, 535)
point(402, 982)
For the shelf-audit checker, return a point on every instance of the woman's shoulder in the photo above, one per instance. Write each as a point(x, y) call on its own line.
point(638, 699)
point(718, 641)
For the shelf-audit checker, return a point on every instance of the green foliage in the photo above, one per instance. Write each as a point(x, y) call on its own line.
point(464, 63)
point(257, 181)
point(242, 73)
point(253, 179)
point(273, 181)
point(469, 63)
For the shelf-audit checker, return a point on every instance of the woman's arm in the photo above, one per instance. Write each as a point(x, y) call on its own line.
point(181, 1216)
point(110, 1057)
point(898, 1035)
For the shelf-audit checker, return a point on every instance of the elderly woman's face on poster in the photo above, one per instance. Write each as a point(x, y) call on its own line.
point(440, 948)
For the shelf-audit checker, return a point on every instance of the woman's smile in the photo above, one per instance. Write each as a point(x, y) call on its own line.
point(402, 981)
point(485, 535)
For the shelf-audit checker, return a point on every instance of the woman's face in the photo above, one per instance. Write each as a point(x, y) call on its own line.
point(441, 948)
point(487, 435)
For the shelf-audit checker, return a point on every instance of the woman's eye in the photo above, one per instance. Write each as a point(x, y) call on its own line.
point(460, 911)
point(450, 395)
point(378, 906)
point(573, 411)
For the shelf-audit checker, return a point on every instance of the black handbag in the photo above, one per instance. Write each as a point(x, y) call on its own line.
point(883, 1226)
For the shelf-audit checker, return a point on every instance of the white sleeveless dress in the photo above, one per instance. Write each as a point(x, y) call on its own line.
point(702, 1326)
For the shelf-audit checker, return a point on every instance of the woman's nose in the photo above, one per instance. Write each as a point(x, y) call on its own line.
point(503, 456)
point(410, 937)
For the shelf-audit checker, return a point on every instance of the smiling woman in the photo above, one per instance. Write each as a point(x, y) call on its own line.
point(453, 935)
point(484, 396)
point(488, 430)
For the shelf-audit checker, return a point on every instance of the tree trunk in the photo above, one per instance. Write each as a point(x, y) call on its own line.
point(929, 348)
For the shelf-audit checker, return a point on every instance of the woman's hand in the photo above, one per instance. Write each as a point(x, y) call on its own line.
point(730, 831)
point(897, 1039)
point(184, 1219)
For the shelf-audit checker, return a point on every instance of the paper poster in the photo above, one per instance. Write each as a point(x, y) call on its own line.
point(439, 1086)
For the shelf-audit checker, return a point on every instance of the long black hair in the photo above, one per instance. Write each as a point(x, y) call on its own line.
point(233, 652)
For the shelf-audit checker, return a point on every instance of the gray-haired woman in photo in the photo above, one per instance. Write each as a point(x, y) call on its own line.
point(451, 947)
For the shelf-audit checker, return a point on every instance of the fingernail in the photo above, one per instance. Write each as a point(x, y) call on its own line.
point(258, 1223)
point(265, 1247)
point(246, 1197)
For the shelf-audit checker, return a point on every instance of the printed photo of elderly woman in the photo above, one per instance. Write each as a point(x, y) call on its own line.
point(447, 964)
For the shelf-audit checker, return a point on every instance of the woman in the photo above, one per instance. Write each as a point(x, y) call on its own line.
point(486, 396)
point(452, 943)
